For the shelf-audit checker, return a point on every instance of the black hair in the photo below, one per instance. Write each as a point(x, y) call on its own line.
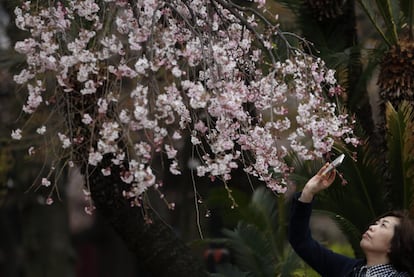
point(402, 243)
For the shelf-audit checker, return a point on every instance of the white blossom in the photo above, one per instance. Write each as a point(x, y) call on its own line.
point(46, 182)
point(147, 82)
point(16, 134)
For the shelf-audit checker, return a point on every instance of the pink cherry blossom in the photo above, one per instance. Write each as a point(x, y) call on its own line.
point(16, 134)
point(180, 70)
point(46, 182)
point(66, 143)
point(49, 201)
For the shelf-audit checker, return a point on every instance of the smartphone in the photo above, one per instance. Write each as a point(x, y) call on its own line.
point(334, 164)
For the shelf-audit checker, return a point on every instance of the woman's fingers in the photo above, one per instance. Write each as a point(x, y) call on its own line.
point(322, 169)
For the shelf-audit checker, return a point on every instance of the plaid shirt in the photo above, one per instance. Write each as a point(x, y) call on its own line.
point(379, 271)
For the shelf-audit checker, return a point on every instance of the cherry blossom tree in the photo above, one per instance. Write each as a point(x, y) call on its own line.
point(124, 82)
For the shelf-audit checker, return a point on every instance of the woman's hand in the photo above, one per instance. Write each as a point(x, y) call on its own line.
point(317, 183)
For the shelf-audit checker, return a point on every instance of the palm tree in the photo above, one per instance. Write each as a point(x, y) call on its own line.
point(393, 21)
point(331, 28)
point(400, 136)
point(258, 243)
point(368, 194)
point(381, 172)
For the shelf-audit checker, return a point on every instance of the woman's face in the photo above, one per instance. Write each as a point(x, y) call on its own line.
point(377, 239)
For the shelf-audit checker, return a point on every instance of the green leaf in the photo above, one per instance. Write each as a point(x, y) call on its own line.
point(407, 8)
point(252, 251)
point(266, 212)
point(400, 143)
point(351, 231)
point(291, 262)
point(258, 243)
point(368, 8)
point(229, 270)
point(352, 205)
point(388, 11)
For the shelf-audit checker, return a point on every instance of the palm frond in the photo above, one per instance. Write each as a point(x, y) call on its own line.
point(407, 8)
point(351, 231)
point(266, 212)
point(390, 14)
point(357, 193)
point(229, 270)
point(262, 210)
point(362, 198)
point(251, 250)
point(291, 262)
point(369, 9)
point(303, 170)
point(400, 143)
point(363, 188)
point(258, 243)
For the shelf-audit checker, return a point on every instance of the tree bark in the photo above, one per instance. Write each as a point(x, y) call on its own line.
point(159, 250)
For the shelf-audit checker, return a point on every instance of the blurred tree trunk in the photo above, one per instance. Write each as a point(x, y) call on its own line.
point(34, 238)
point(155, 245)
point(160, 251)
point(46, 241)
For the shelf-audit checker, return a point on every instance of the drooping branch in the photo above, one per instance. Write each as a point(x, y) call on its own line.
point(131, 86)
point(155, 244)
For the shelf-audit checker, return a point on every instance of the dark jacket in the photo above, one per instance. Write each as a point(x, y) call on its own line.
point(324, 261)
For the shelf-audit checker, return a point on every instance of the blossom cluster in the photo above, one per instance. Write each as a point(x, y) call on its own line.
point(174, 69)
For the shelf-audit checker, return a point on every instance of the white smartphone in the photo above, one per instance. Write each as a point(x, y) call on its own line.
point(334, 164)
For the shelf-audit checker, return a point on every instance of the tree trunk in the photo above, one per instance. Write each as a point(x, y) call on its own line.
point(159, 250)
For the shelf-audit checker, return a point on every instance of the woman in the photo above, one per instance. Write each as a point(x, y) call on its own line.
point(388, 244)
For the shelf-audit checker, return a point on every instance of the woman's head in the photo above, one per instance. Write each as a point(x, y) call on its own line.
point(392, 237)
point(376, 241)
point(402, 244)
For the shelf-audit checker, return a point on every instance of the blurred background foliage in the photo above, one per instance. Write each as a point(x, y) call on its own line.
point(369, 43)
